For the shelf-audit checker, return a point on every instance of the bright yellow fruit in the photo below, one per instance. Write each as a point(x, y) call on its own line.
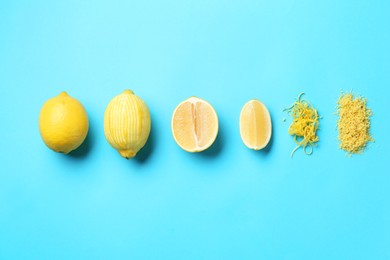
point(63, 123)
point(255, 125)
point(194, 125)
point(127, 123)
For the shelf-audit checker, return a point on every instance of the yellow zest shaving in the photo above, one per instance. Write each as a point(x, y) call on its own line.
point(305, 122)
point(353, 123)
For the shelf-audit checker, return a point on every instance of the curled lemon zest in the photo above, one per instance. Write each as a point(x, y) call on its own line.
point(305, 123)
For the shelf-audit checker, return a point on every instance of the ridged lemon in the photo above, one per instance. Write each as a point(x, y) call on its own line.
point(127, 123)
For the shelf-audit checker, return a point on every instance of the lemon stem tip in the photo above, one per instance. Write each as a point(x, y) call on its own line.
point(128, 154)
point(128, 91)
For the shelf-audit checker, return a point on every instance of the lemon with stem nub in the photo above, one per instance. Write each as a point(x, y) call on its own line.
point(63, 123)
point(127, 123)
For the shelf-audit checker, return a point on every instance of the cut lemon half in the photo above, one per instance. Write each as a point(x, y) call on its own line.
point(255, 125)
point(194, 125)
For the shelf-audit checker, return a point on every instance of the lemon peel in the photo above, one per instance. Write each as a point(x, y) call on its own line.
point(353, 123)
point(305, 123)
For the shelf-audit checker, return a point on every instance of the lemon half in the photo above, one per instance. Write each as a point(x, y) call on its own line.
point(194, 125)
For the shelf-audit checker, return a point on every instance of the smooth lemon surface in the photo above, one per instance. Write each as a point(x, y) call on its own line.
point(255, 125)
point(63, 123)
point(194, 125)
point(127, 123)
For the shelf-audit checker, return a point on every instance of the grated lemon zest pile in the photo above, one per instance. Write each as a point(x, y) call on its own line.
point(354, 123)
point(305, 123)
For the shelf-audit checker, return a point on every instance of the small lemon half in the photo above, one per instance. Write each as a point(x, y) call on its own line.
point(255, 125)
point(194, 125)
point(63, 123)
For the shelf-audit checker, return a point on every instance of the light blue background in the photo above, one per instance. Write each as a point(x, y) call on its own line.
point(229, 202)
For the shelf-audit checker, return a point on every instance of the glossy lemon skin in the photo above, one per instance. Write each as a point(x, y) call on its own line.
point(63, 123)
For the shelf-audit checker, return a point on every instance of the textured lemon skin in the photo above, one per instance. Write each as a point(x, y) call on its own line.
point(127, 123)
point(63, 123)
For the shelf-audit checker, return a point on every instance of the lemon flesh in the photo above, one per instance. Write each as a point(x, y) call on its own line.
point(255, 125)
point(194, 125)
point(63, 123)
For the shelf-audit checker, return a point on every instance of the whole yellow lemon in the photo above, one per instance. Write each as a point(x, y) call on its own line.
point(63, 123)
point(127, 123)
